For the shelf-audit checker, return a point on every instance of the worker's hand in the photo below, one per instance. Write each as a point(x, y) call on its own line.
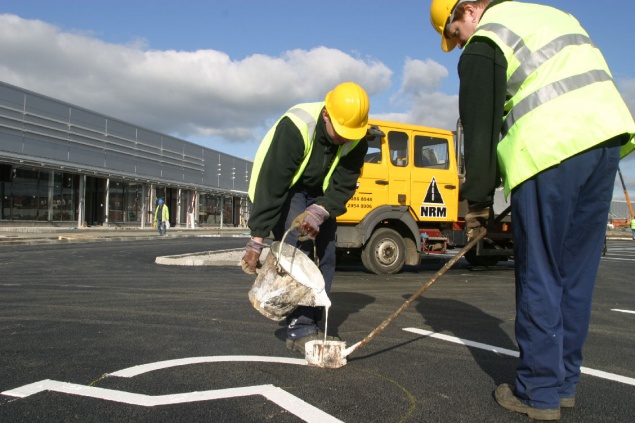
point(308, 223)
point(477, 220)
point(251, 260)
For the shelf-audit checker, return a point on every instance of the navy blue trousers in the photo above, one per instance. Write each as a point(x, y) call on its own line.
point(303, 321)
point(161, 227)
point(559, 222)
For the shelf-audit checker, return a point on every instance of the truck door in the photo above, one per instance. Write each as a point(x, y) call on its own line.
point(372, 184)
point(435, 183)
point(399, 188)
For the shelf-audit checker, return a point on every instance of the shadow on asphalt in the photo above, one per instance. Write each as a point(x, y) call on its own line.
point(344, 304)
point(465, 321)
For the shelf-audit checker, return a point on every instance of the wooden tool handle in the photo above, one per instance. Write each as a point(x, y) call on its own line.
point(414, 296)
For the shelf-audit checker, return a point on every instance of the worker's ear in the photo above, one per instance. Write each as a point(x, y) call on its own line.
point(472, 13)
point(469, 11)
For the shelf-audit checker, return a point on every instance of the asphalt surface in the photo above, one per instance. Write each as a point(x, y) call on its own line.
point(78, 318)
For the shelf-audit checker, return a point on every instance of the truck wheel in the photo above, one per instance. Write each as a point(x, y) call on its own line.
point(385, 252)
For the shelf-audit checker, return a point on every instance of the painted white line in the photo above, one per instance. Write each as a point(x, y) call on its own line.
point(291, 403)
point(608, 376)
point(504, 351)
point(145, 368)
point(616, 258)
point(465, 342)
point(626, 248)
point(623, 311)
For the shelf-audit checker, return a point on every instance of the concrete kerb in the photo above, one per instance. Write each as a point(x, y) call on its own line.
point(50, 235)
point(208, 258)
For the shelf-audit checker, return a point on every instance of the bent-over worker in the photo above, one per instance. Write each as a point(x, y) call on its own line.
point(305, 171)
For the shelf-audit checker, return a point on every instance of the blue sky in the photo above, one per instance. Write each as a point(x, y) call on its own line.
point(219, 73)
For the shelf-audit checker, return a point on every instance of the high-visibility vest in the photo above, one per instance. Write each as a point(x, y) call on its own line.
point(561, 98)
point(165, 212)
point(633, 224)
point(305, 117)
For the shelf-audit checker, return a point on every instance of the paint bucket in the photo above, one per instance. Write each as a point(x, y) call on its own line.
point(287, 279)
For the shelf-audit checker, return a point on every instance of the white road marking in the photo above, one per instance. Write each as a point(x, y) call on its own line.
point(144, 368)
point(617, 258)
point(512, 353)
point(282, 398)
point(461, 341)
point(291, 403)
point(623, 311)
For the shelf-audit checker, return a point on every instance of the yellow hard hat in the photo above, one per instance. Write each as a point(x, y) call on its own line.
point(347, 106)
point(440, 12)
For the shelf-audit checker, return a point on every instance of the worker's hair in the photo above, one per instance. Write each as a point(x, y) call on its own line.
point(460, 9)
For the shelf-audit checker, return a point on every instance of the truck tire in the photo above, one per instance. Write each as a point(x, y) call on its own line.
point(385, 252)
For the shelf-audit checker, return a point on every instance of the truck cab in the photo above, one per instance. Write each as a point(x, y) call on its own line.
point(407, 197)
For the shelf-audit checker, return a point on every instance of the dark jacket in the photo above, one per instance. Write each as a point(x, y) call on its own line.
point(281, 162)
point(482, 72)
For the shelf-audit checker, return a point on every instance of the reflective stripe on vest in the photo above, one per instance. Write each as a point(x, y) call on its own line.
point(550, 92)
point(531, 60)
point(550, 69)
point(309, 120)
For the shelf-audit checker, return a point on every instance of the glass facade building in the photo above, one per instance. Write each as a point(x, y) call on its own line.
point(61, 164)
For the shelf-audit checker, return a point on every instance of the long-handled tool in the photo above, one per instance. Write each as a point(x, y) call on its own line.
point(332, 354)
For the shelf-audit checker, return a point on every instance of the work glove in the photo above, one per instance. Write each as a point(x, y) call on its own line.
point(477, 220)
point(308, 222)
point(251, 260)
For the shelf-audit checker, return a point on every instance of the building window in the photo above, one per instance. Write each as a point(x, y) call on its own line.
point(27, 195)
point(125, 203)
point(64, 203)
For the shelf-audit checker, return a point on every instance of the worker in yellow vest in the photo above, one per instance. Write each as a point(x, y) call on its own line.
point(304, 173)
point(633, 227)
point(161, 217)
point(540, 110)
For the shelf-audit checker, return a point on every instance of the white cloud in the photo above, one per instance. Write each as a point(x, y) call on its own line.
point(208, 97)
point(188, 94)
point(422, 76)
point(421, 99)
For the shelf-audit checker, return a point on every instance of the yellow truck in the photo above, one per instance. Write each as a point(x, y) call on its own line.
point(407, 202)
